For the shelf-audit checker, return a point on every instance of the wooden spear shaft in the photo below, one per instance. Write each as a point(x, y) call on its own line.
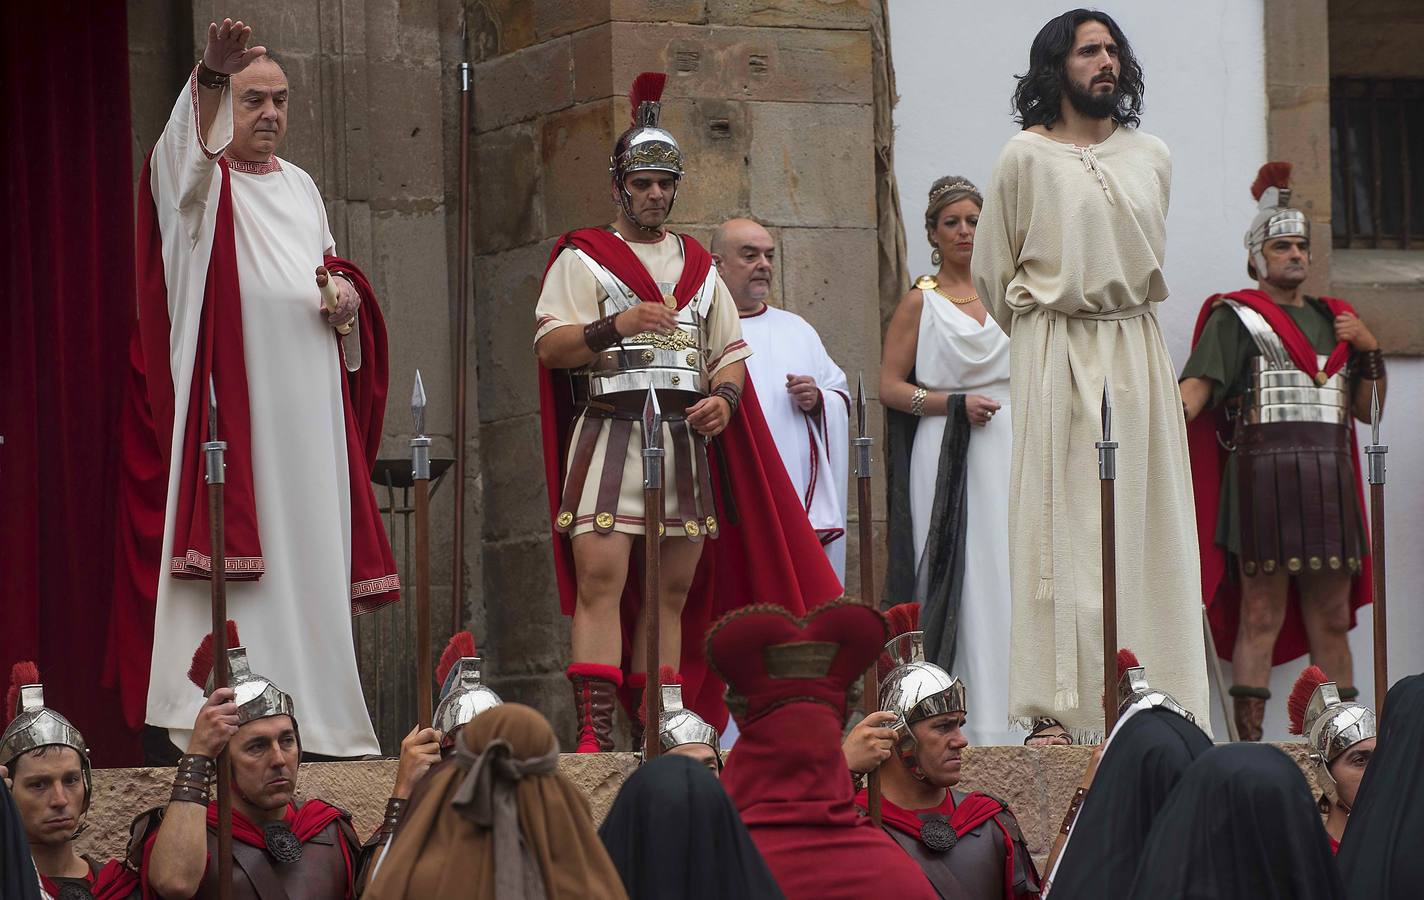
point(217, 538)
point(462, 288)
point(425, 674)
point(1375, 453)
point(652, 590)
point(870, 688)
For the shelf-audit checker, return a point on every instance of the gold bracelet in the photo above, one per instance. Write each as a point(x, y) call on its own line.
point(917, 402)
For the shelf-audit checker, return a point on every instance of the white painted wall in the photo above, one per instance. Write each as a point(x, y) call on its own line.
point(955, 63)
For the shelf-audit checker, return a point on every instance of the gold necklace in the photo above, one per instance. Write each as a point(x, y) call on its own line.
point(957, 301)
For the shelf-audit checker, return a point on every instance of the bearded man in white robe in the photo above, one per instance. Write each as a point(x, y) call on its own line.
point(1068, 258)
point(803, 392)
point(242, 298)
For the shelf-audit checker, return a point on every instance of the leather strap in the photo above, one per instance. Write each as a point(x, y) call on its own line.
point(686, 494)
point(579, 462)
point(610, 484)
point(706, 505)
point(940, 878)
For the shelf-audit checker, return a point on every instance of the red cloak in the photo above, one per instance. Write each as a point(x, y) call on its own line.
point(146, 434)
point(1220, 592)
point(769, 555)
point(115, 881)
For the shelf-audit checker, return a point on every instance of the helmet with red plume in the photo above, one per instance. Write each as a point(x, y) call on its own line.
point(256, 696)
point(1274, 216)
point(31, 725)
point(1330, 725)
point(646, 146)
point(463, 695)
point(1134, 691)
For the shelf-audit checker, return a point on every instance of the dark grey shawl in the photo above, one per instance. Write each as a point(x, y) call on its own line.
point(936, 580)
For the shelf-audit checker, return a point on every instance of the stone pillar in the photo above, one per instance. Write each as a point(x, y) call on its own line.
point(1297, 36)
point(772, 105)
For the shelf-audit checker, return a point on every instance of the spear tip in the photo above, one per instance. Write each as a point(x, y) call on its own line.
point(860, 404)
point(417, 403)
point(652, 419)
point(1107, 411)
point(1374, 412)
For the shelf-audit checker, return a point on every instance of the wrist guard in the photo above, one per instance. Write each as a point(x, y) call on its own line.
point(1073, 808)
point(395, 809)
point(729, 393)
point(210, 78)
point(1371, 364)
point(193, 779)
point(601, 335)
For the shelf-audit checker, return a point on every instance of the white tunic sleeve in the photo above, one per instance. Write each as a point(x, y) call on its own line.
point(997, 241)
point(183, 160)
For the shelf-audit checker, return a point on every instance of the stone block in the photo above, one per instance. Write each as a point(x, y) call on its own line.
point(593, 64)
point(496, 27)
point(803, 65)
point(791, 13)
point(407, 157)
point(506, 185)
point(715, 136)
point(685, 11)
point(530, 633)
point(800, 179)
point(506, 291)
point(829, 278)
point(287, 29)
point(523, 85)
point(574, 146)
point(553, 18)
point(517, 500)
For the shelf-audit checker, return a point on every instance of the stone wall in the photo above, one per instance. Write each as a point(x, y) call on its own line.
point(1036, 783)
point(772, 105)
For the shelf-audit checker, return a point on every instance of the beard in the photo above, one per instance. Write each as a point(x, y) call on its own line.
point(1090, 103)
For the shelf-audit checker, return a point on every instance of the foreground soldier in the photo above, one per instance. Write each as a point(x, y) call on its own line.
point(278, 847)
point(1284, 555)
point(968, 844)
point(683, 732)
point(50, 778)
point(1342, 739)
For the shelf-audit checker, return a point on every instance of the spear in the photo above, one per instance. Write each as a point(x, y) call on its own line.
point(462, 317)
point(863, 443)
point(213, 462)
point(420, 481)
point(1107, 475)
point(652, 563)
point(1375, 453)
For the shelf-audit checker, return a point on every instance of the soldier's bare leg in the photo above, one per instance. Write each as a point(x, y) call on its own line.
point(1263, 611)
point(679, 566)
point(601, 567)
point(1325, 606)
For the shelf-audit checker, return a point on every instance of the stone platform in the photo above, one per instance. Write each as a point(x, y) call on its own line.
point(1036, 782)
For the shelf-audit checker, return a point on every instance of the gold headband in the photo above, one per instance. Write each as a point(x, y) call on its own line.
point(952, 186)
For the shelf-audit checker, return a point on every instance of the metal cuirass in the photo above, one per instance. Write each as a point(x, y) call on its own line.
point(1278, 391)
point(665, 362)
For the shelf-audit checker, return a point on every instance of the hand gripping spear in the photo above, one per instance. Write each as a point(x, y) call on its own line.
point(652, 562)
point(213, 463)
point(863, 443)
point(1375, 452)
point(420, 481)
point(1107, 475)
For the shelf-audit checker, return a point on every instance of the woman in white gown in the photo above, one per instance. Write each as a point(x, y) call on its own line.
point(946, 365)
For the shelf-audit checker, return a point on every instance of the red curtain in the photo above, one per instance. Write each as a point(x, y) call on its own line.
point(67, 309)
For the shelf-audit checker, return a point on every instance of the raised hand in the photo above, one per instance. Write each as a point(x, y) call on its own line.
point(419, 751)
point(869, 743)
point(227, 51)
point(1351, 330)
point(215, 725)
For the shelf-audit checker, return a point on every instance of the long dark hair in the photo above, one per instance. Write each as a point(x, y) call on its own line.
point(1039, 93)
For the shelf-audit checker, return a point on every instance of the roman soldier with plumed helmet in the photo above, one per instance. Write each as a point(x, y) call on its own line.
point(1341, 736)
point(1275, 469)
point(682, 731)
point(308, 850)
point(53, 784)
point(626, 309)
point(967, 844)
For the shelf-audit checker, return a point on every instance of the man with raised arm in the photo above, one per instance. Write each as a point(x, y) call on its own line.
point(237, 294)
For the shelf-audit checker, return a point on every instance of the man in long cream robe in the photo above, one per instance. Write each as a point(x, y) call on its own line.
point(1068, 259)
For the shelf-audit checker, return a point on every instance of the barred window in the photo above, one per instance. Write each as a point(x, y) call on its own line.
point(1377, 162)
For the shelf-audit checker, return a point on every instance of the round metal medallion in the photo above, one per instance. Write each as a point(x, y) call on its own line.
point(1268, 566)
point(677, 379)
point(603, 520)
point(926, 283)
point(711, 524)
point(669, 301)
point(1316, 563)
point(1321, 378)
point(1294, 565)
point(648, 356)
point(691, 359)
point(662, 529)
point(1335, 562)
point(1248, 567)
point(565, 519)
point(937, 834)
point(691, 528)
point(282, 845)
point(70, 890)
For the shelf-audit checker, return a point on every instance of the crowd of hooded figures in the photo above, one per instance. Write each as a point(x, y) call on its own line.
point(1242, 493)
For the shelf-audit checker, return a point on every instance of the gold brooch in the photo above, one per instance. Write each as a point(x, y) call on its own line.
point(565, 519)
point(691, 528)
point(670, 301)
point(926, 283)
point(711, 524)
point(603, 520)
